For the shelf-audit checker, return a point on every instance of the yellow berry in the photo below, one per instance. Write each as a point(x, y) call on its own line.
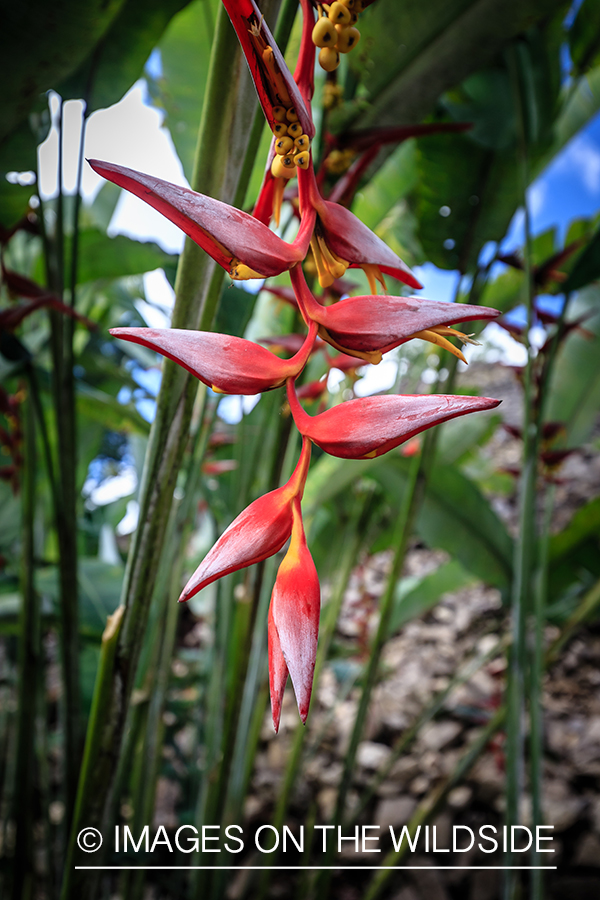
point(291, 114)
point(302, 159)
point(302, 142)
point(294, 130)
point(324, 33)
point(283, 167)
point(279, 113)
point(348, 38)
point(280, 129)
point(339, 14)
point(329, 59)
point(284, 145)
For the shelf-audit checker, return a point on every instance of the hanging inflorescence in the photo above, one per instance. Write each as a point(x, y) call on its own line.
point(359, 328)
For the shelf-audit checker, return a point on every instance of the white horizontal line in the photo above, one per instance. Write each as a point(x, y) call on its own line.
point(312, 868)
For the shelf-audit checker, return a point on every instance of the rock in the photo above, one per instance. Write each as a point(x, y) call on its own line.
point(371, 755)
point(588, 852)
point(439, 734)
point(395, 811)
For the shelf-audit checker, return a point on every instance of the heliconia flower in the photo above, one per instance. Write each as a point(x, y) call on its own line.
point(294, 622)
point(241, 244)
point(258, 532)
point(369, 326)
point(370, 426)
point(227, 364)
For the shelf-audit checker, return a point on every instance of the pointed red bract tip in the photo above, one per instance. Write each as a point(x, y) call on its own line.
point(294, 619)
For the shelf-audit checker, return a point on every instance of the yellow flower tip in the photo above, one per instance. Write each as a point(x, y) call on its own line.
point(370, 455)
point(374, 275)
point(241, 272)
point(434, 338)
point(217, 390)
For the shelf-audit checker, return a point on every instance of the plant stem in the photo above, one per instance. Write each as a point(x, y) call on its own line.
point(220, 154)
point(29, 662)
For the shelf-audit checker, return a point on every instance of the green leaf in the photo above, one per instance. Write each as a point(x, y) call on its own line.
point(416, 596)
point(118, 59)
point(455, 515)
point(411, 52)
point(479, 187)
point(99, 592)
point(40, 44)
point(109, 412)
point(103, 257)
point(457, 518)
point(574, 394)
point(459, 436)
point(185, 54)
point(586, 268)
point(235, 310)
point(584, 36)
point(585, 524)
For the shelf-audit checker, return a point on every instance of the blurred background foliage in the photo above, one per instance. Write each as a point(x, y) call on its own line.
point(76, 412)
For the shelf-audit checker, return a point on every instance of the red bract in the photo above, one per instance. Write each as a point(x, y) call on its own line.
point(294, 623)
point(227, 364)
point(370, 426)
point(368, 326)
point(234, 239)
point(258, 532)
point(348, 238)
point(274, 83)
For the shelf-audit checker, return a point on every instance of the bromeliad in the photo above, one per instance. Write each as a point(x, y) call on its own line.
point(360, 328)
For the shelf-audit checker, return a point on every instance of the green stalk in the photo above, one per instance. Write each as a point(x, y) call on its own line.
point(220, 152)
point(525, 546)
point(66, 510)
point(536, 736)
point(29, 663)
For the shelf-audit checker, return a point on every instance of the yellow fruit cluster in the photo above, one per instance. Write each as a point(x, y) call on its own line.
point(292, 147)
point(335, 31)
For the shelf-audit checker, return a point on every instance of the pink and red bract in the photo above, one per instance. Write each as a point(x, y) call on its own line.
point(360, 328)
